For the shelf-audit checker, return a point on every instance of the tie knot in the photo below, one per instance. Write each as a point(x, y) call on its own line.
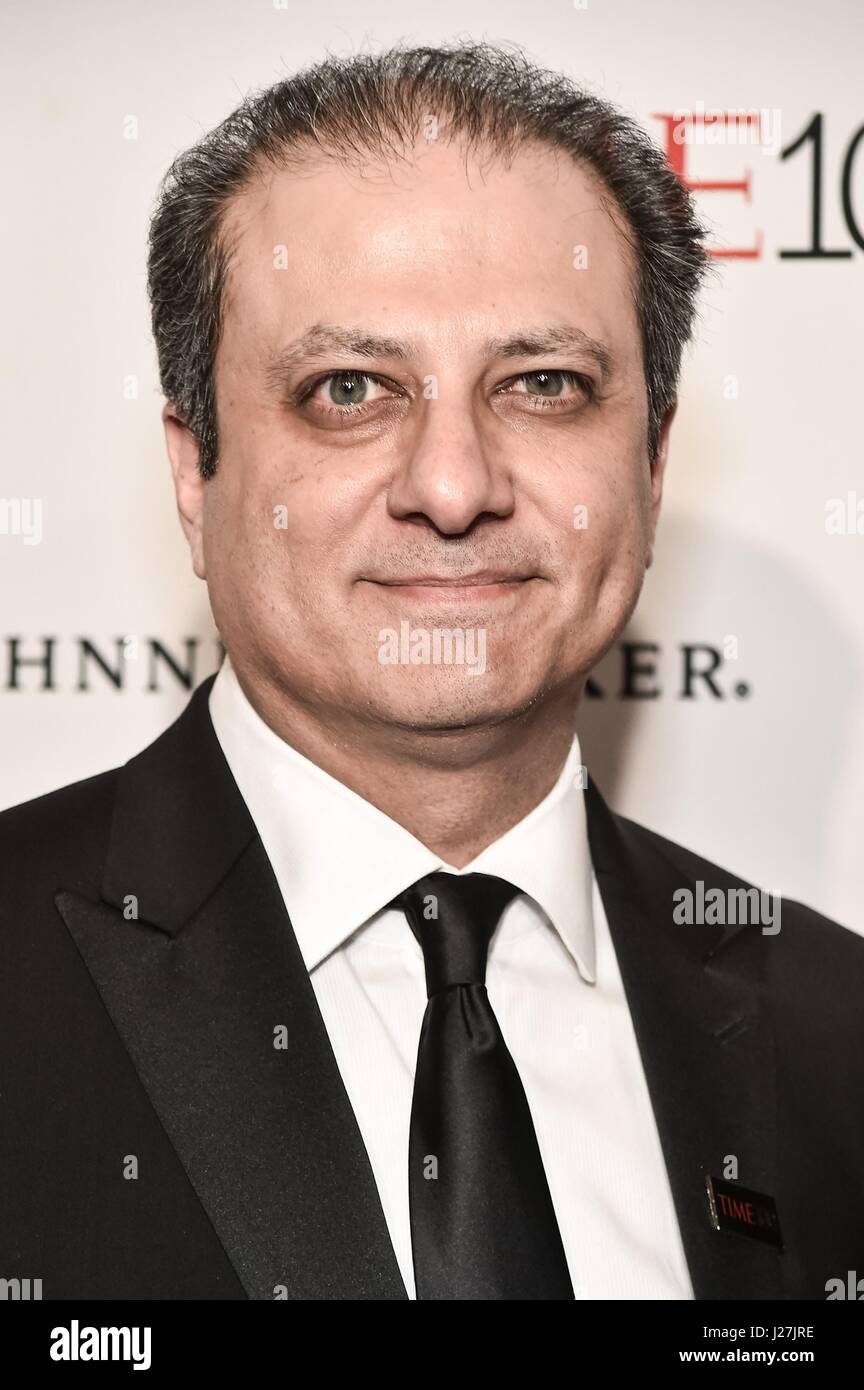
point(453, 917)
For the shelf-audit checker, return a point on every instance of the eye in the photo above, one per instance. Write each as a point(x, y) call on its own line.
point(546, 388)
point(342, 393)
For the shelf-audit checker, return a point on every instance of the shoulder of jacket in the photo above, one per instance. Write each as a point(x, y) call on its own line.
point(56, 840)
point(817, 928)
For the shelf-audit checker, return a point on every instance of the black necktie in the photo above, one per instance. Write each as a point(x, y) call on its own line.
point(482, 1221)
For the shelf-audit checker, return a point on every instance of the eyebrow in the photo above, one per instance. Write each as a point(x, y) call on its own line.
point(325, 338)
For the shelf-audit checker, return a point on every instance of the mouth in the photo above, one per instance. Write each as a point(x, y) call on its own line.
point(481, 586)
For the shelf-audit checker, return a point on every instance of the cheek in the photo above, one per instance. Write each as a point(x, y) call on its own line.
point(608, 555)
point(288, 559)
point(244, 551)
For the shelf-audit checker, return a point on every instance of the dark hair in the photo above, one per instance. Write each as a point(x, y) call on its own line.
point(491, 97)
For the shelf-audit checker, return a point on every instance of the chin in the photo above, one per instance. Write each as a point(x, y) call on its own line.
point(477, 701)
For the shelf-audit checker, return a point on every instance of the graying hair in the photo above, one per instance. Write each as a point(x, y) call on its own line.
point(490, 97)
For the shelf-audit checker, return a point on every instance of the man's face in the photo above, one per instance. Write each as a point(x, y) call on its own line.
point(359, 478)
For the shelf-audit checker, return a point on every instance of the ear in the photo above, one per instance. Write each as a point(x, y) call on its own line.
point(184, 453)
point(658, 471)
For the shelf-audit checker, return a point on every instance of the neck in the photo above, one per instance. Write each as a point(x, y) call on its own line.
point(457, 789)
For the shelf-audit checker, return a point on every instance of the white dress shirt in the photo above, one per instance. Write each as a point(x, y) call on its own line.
point(552, 979)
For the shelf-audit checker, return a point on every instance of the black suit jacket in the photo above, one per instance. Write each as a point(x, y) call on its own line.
point(146, 958)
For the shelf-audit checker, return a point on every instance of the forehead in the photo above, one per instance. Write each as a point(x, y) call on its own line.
point(441, 244)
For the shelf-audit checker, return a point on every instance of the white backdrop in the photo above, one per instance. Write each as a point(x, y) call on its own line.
point(96, 100)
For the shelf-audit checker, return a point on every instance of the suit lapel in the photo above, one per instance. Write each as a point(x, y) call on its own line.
point(705, 1043)
point(208, 991)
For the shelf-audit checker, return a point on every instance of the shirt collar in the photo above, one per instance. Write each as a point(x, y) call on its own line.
point(339, 860)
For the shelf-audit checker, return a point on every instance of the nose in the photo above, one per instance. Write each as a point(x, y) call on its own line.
point(453, 473)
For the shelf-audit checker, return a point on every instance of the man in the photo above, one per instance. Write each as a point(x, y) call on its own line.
point(351, 985)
